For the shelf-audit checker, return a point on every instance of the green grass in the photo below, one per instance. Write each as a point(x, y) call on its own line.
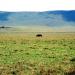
point(36, 56)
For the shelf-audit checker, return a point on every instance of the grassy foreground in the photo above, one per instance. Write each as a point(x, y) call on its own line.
point(26, 54)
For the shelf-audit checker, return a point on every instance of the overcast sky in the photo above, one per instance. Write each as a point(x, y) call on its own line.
point(36, 5)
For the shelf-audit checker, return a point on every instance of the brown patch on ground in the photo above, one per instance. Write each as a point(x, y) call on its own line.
point(71, 71)
point(15, 69)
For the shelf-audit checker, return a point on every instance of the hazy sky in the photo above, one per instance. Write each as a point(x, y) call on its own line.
point(36, 5)
point(64, 20)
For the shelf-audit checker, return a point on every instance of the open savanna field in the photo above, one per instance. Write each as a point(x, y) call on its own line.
point(23, 53)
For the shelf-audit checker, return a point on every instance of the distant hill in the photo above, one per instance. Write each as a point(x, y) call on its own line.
point(51, 21)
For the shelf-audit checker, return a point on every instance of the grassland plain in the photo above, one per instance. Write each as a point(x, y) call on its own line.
point(25, 54)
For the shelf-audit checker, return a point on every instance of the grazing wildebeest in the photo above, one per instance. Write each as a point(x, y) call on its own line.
point(39, 35)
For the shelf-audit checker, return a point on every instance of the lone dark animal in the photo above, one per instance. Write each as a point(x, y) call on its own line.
point(39, 35)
